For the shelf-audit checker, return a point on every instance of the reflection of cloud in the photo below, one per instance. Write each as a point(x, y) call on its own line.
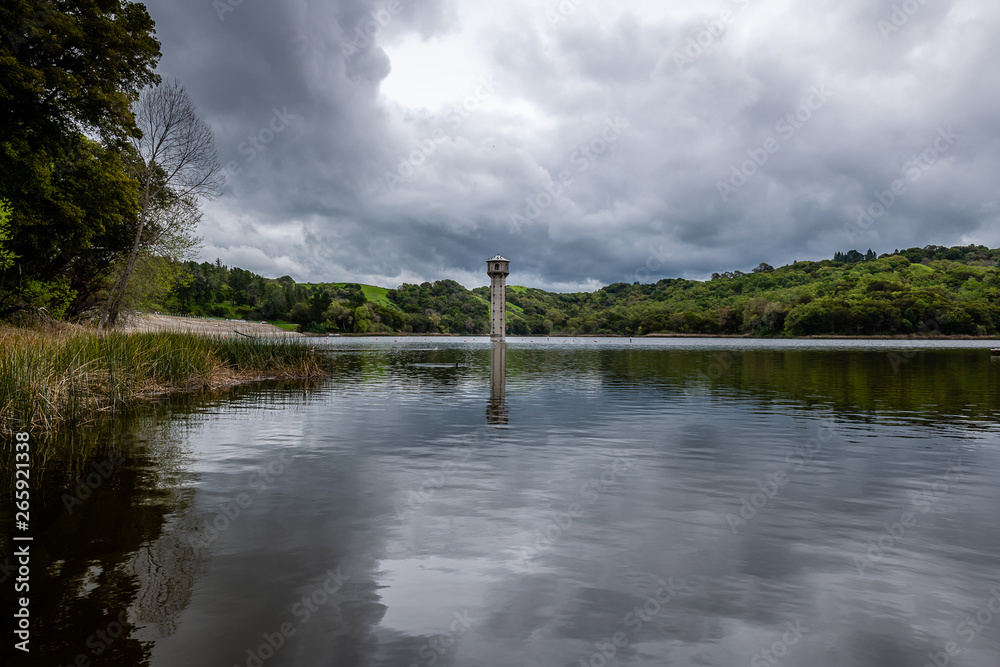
point(421, 594)
point(694, 456)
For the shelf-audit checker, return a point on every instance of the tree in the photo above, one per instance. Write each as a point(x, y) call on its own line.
point(362, 319)
point(70, 73)
point(319, 301)
point(75, 67)
point(275, 305)
point(357, 296)
point(106, 199)
point(300, 313)
point(176, 166)
point(763, 267)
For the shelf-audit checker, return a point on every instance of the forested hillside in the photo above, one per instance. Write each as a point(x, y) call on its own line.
point(915, 291)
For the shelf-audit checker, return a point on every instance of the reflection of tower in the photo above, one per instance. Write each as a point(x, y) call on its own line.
point(496, 411)
point(497, 268)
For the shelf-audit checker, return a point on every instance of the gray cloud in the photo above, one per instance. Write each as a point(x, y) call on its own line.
point(313, 199)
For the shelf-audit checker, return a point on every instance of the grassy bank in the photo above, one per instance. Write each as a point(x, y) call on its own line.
point(53, 378)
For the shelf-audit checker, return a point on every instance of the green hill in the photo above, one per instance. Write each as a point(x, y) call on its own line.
point(953, 291)
point(373, 294)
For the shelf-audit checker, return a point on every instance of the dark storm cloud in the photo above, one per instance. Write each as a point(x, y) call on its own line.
point(741, 132)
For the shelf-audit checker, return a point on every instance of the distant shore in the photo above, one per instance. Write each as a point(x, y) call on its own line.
point(156, 322)
point(658, 335)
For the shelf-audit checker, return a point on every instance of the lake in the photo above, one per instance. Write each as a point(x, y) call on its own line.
point(552, 502)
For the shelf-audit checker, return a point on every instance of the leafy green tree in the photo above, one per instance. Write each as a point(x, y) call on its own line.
point(362, 319)
point(319, 301)
point(356, 296)
point(338, 317)
point(70, 70)
point(301, 313)
point(275, 306)
point(75, 66)
point(95, 200)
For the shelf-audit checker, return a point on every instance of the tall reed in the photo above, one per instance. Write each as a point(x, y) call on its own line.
point(51, 378)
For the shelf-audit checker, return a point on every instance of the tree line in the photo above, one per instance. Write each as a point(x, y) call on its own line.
point(952, 291)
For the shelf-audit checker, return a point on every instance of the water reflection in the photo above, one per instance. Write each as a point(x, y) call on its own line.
point(496, 411)
point(692, 502)
point(110, 571)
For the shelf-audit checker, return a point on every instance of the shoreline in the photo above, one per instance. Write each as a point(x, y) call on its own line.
point(68, 375)
point(664, 335)
point(146, 322)
point(151, 322)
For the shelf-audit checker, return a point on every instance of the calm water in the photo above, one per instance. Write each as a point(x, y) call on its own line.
point(670, 502)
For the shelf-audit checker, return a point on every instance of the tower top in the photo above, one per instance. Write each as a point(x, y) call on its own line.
point(498, 267)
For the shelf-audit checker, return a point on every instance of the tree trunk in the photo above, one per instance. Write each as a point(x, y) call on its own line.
point(113, 306)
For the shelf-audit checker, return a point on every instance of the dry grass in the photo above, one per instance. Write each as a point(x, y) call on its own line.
point(54, 377)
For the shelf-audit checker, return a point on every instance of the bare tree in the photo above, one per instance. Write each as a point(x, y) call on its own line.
point(176, 165)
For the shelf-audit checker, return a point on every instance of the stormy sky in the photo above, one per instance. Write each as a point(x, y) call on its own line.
point(588, 141)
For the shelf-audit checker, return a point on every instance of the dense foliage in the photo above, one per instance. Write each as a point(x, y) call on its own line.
point(71, 74)
point(954, 291)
